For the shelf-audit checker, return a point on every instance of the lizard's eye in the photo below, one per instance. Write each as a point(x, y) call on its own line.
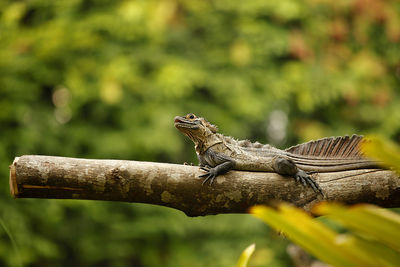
point(190, 116)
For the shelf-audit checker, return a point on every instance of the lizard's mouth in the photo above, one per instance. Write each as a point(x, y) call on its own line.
point(180, 122)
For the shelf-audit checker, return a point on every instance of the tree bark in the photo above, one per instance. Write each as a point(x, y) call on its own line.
point(178, 186)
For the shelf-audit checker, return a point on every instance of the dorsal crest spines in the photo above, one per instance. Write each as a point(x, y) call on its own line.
point(330, 147)
point(213, 128)
point(244, 143)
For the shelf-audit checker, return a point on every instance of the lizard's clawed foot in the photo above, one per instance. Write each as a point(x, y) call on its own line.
point(209, 175)
point(302, 177)
point(189, 164)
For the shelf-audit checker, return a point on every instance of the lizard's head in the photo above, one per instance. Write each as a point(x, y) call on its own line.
point(196, 128)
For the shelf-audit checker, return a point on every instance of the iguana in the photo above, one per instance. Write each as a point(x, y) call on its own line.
point(219, 154)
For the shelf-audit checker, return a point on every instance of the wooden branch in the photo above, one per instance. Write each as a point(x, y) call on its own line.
point(178, 186)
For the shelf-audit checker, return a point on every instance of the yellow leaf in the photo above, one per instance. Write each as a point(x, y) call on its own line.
point(385, 152)
point(245, 256)
point(379, 224)
point(316, 238)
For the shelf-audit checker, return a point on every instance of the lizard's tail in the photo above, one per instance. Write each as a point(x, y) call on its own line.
point(331, 154)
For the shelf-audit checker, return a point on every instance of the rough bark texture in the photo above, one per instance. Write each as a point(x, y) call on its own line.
point(178, 186)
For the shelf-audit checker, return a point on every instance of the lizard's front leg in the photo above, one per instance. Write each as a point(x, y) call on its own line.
point(214, 164)
point(212, 173)
point(284, 166)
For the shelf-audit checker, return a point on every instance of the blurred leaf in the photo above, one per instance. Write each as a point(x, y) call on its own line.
point(245, 256)
point(378, 223)
point(385, 152)
point(312, 235)
point(324, 243)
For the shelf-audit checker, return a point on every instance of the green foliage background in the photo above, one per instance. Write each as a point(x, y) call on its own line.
point(104, 79)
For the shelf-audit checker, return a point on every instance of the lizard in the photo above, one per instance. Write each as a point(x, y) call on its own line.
point(218, 154)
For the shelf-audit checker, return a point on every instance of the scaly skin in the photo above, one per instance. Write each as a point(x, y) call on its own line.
point(219, 154)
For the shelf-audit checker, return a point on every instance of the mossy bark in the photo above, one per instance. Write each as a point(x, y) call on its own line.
point(178, 186)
